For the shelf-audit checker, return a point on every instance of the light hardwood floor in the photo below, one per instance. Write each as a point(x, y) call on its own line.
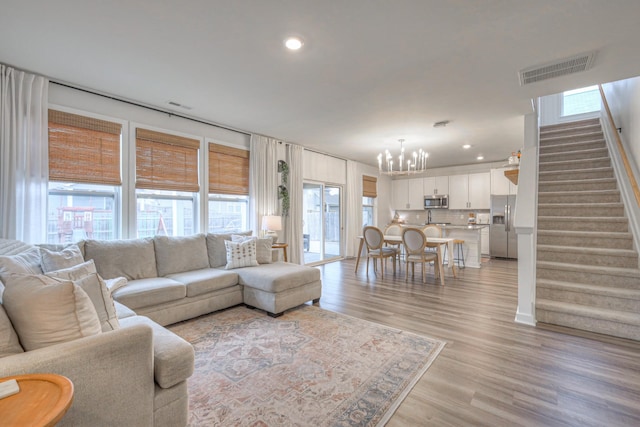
point(492, 371)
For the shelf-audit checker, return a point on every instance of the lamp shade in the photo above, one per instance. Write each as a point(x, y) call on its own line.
point(272, 222)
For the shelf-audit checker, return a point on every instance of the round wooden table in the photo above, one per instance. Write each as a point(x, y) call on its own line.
point(43, 400)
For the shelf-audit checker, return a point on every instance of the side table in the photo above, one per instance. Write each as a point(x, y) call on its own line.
point(43, 400)
point(282, 246)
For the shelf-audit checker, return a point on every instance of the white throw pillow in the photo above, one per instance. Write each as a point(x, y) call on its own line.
point(241, 254)
point(27, 262)
point(264, 253)
point(115, 284)
point(86, 276)
point(45, 311)
point(66, 258)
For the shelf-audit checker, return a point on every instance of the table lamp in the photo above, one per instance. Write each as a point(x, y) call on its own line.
point(270, 225)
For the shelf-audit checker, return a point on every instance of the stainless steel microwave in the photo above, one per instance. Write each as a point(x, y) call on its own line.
point(437, 201)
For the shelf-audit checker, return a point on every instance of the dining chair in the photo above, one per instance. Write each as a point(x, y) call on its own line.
point(374, 240)
point(415, 242)
point(432, 230)
point(394, 230)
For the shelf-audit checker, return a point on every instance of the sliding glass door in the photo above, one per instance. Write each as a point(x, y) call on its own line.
point(322, 222)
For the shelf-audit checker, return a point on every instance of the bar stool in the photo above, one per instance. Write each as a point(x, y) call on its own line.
point(458, 250)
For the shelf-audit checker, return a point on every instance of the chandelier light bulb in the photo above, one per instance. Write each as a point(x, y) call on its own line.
point(416, 162)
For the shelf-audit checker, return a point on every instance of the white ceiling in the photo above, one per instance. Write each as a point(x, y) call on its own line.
point(370, 72)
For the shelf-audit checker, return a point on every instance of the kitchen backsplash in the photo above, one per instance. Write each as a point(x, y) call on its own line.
point(453, 216)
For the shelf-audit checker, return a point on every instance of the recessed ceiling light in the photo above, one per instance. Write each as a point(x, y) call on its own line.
point(466, 146)
point(293, 43)
point(480, 158)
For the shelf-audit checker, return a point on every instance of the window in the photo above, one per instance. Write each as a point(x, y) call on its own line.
point(369, 194)
point(84, 178)
point(228, 189)
point(580, 101)
point(367, 211)
point(166, 183)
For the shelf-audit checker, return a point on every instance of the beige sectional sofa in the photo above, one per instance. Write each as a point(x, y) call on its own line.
point(137, 374)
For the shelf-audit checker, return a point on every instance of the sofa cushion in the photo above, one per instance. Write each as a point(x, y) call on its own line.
point(173, 357)
point(27, 262)
point(123, 311)
point(277, 277)
point(200, 282)
point(58, 260)
point(152, 291)
point(45, 311)
point(216, 249)
point(241, 254)
point(133, 259)
point(85, 276)
point(179, 254)
point(9, 343)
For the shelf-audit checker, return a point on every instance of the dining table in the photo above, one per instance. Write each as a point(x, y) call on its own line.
point(438, 242)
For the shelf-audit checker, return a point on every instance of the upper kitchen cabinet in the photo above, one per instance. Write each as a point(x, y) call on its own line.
point(408, 194)
point(500, 184)
point(436, 185)
point(470, 191)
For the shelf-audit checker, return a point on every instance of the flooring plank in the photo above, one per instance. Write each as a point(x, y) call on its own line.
point(492, 371)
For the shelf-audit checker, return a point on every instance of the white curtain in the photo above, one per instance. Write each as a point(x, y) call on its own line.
point(353, 223)
point(293, 222)
point(24, 167)
point(263, 180)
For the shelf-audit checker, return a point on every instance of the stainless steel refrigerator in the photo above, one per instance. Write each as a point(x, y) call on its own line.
point(503, 242)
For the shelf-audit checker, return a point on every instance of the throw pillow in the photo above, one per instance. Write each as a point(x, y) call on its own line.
point(27, 262)
point(216, 248)
point(45, 311)
point(67, 257)
point(264, 253)
point(240, 254)
point(9, 343)
point(85, 276)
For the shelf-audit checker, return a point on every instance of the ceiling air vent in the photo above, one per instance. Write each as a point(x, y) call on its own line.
point(177, 104)
point(559, 68)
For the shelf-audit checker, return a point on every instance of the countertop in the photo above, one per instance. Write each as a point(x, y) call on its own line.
point(453, 226)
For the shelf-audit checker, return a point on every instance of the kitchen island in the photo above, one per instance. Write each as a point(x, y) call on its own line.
point(472, 236)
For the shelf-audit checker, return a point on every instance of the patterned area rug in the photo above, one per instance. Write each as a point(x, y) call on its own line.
point(309, 367)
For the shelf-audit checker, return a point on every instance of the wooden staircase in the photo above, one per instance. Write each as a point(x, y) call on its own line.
point(588, 276)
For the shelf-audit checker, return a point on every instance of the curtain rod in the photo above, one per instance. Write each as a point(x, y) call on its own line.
point(204, 122)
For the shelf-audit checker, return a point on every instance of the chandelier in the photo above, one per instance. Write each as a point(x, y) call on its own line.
point(402, 165)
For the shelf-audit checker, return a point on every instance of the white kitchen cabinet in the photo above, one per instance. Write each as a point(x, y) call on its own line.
point(480, 191)
point(400, 194)
point(408, 194)
point(470, 191)
point(436, 185)
point(416, 194)
point(500, 184)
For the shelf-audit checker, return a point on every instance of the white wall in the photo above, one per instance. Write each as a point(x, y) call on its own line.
point(623, 98)
point(83, 101)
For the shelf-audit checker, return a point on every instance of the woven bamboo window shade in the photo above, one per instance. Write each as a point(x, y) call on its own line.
point(83, 149)
point(228, 170)
point(369, 186)
point(166, 162)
